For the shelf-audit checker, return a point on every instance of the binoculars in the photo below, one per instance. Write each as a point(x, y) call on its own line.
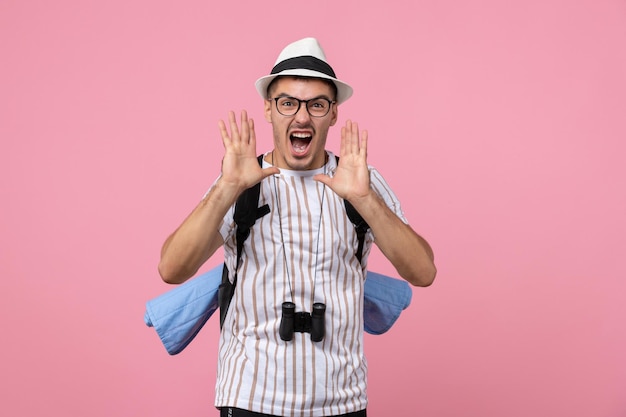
point(302, 321)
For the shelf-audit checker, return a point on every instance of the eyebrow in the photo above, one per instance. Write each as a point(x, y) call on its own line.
point(312, 98)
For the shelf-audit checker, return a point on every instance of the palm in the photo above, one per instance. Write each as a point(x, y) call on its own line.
point(239, 166)
point(351, 179)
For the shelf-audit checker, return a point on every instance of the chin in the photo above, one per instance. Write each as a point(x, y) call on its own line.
point(306, 162)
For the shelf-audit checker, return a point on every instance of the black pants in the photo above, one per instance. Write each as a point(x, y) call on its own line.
point(237, 412)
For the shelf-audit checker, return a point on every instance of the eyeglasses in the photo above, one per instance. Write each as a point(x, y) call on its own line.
point(289, 106)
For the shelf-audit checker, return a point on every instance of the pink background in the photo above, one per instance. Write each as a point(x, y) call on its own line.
point(500, 124)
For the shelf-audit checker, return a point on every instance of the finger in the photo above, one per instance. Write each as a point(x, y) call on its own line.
point(351, 146)
point(349, 137)
point(223, 132)
point(323, 178)
point(363, 150)
point(270, 171)
point(252, 133)
point(234, 129)
point(245, 127)
point(355, 138)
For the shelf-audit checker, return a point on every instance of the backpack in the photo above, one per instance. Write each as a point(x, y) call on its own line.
point(246, 214)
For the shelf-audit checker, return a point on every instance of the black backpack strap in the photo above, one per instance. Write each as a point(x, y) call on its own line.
point(360, 224)
point(246, 214)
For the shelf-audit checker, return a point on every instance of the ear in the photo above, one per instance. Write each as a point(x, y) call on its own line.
point(335, 114)
point(268, 110)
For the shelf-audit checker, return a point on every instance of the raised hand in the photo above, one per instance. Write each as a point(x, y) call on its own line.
point(352, 179)
point(240, 167)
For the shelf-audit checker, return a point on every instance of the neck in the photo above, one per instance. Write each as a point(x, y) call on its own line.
point(276, 160)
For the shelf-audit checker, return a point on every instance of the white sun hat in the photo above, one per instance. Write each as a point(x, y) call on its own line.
point(304, 58)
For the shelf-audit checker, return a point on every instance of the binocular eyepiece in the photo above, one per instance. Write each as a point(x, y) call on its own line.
point(302, 321)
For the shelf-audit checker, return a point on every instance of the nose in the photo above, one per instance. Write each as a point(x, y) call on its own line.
point(302, 115)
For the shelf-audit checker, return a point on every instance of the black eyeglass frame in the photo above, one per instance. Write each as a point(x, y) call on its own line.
point(306, 105)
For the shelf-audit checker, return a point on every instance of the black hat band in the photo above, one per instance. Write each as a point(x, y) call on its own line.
point(304, 62)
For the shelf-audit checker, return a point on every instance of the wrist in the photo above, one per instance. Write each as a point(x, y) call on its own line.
point(366, 202)
point(225, 192)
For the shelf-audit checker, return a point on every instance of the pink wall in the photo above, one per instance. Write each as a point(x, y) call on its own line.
point(499, 124)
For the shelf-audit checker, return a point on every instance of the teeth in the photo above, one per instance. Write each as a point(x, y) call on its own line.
point(301, 135)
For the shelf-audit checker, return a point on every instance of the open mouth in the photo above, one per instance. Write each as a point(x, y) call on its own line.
point(300, 142)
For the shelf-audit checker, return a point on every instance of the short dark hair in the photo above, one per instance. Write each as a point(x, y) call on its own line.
point(328, 82)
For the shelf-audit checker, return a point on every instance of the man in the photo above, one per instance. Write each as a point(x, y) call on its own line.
point(301, 256)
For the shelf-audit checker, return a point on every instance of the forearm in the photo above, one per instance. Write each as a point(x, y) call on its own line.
point(409, 253)
point(198, 237)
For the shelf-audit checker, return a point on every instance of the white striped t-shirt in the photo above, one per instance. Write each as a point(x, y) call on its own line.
point(302, 251)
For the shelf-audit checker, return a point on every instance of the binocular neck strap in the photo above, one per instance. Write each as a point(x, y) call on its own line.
point(282, 237)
